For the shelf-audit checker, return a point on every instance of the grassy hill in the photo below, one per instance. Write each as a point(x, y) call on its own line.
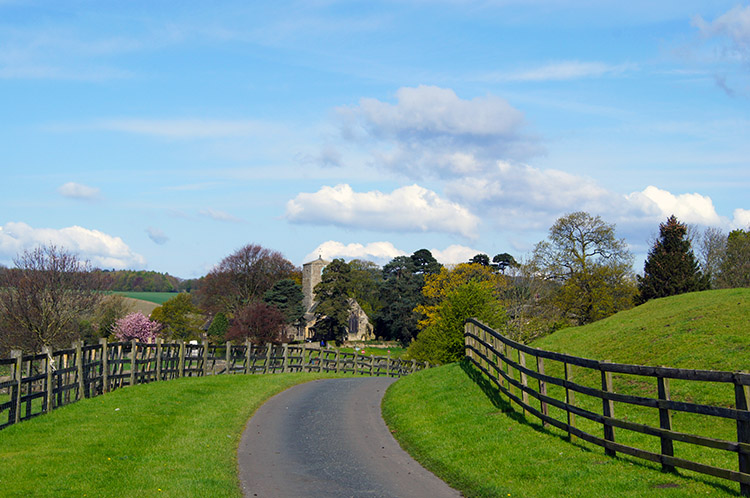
point(455, 422)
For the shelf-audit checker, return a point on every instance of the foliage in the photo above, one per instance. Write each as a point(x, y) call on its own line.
point(671, 267)
point(334, 302)
point(712, 249)
point(365, 281)
point(242, 277)
point(591, 264)
point(286, 296)
point(43, 298)
point(480, 259)
point(438, 285)
point(735, 266)
point(442, 341)
point(257, 321)
point(180, 317)
point(504, 261)
point(136, 326)
point(143, 281)
point(102, 320)
point(219, 327)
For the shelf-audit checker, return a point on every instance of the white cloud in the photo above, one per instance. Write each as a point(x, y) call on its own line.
point(103, 250)
point(74, 190)
point(733, 24)
point(217, 215)
point(375, 251)
point(407, 209)
point(157, 235)
point(688, 208)
point(454, 254)
point(741, 219)
point(566, 70)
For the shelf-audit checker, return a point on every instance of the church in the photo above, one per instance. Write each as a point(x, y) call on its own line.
point(359, 328)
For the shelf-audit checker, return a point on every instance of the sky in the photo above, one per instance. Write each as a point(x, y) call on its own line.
point(165, 135)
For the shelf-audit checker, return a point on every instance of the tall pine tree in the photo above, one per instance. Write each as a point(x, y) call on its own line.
point(671, 267)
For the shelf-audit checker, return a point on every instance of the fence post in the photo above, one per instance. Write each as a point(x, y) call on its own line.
point(542, 388)
point(159, 342)
point(248, 352)
point(338, 359)
point(48, 381)
point(204, 354)
point(285, 359)
point(742, 399)
point(181, 360)
point(105, 362)
point(268, 358)
point(228, 357)
point(17, 355)
point(388, 364)
point(303, 363)
point(665, 422)
point(524, 381)
point(608, 408)
point(133, 358)
point(570, 399)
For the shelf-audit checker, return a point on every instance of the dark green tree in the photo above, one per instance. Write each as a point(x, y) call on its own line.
point(333, 294)
point(401, 293)
point(424, 262)
point(504, 261)
point(480, 259)
point(735, 265)
point(366, 277)
point(671, 267)
point(286, 296)
point(217, 331)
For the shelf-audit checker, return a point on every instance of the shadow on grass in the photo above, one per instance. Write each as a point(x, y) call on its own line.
point(504, 405)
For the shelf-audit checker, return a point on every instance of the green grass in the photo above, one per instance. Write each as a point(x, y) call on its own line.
point(456, 425)
point(153, 297)
point(176, 438)
point(396, 351)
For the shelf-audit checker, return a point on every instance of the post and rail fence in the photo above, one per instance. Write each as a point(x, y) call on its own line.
point(562, 400)
point(57, 378)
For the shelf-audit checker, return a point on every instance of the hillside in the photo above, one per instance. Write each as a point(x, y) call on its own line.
point(701, 330)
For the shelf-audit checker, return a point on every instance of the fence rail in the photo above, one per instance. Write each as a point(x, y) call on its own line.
point(510, 365)
point(41, 382)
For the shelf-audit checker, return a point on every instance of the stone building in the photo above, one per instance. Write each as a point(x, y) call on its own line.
point(359, 327)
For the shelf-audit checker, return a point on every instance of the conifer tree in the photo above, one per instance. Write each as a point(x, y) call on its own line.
point(671, 267)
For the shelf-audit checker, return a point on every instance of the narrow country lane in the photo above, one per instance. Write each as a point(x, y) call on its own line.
point(326, 438)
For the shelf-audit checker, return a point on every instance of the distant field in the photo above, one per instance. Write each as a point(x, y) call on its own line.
point(153, 297)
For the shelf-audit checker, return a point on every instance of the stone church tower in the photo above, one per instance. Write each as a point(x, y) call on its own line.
point(311, 274)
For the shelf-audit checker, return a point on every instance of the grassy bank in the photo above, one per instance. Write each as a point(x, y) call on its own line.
point(457, 426)
point(152, 297)
point(176, 438)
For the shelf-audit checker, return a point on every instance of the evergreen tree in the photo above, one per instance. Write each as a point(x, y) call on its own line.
point(286, 296)
point(218, 328)
point(334, 305)
point(671, 267)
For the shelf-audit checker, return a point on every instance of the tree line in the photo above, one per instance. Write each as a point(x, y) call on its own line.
point(580, 273)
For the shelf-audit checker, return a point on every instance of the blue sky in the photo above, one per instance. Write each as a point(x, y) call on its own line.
point(166, 135)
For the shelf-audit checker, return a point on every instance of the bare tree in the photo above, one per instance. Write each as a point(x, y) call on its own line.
point(43, 298)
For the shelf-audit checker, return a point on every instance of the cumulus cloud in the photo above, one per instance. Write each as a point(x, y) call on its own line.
point(733, 24)
point(103, 250)
point(454, 254)
point(74, 190)
point(375, 251)
point(430, 131)
point(407, 209)
point(689, 208)
point(157, 235)
point(218, 215)
point(741, 219)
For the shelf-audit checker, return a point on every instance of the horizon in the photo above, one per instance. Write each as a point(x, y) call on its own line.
point(159, 138)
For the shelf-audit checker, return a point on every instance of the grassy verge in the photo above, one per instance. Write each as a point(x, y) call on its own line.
point(176, 438)
point(396, 351)
point(453, 422)
point(153, 297)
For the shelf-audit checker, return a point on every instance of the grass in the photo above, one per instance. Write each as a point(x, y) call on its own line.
point(176, 438)
point(456, 425)
point(396, 351)
point(152, 297)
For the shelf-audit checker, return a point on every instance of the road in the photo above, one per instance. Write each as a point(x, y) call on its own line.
point(326, 438)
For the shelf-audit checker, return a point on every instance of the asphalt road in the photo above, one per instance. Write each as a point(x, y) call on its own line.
point(326, 438)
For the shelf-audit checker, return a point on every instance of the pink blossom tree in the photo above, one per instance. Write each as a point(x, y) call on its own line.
point(136, 326)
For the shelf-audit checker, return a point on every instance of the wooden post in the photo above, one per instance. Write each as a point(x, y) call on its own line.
point(413, 365)
point(248, 353)
point(181, 360)
point(204, 354)
point(608, 410)
point(338, 359)
point(304, 365)
point(285, 358)
point(159, 342)
point(105, 365)
point(48, 381)
point(524, 381)
point(570, 399)
point(542, 387)
point(17, 355)
point(372, 365)
point(228, 356)
point(356, 362)
point(665, 421)
point(742, 400)
point(388, 364)
point(268, 358)
point(133, 358)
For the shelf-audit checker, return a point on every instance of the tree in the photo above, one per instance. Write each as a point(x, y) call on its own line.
point(136, 326)
point(333, 294)
point(44, 296)
point(713, 248)
point(480, 259)
point(242, 277)
point(424, 262)
point(735, 266)
point(590, 263)
point(180, 317)
point(100, 322)
point(218, 329)
point(259, 322)
point(443, 340)
point(671, 267)
point(504, 261)
point(365, 281)
point(286, 296)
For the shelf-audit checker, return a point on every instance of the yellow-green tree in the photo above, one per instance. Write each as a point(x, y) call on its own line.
point(180, 317)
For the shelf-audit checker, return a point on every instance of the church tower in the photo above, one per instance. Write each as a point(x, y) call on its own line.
point(311, 275)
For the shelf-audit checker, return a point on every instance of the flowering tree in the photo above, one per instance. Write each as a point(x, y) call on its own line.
point(136, 326)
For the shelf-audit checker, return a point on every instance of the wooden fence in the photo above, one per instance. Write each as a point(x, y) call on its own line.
point(559, 400)
point(41, 382)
